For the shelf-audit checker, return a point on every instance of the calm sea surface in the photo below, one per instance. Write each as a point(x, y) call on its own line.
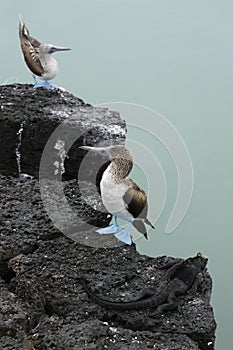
point(174, 57)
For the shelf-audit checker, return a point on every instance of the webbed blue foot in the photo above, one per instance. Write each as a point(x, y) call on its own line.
point(37, 85)
point(107, 230)
point(110, 229)
point(46, 83)
point(123, 235)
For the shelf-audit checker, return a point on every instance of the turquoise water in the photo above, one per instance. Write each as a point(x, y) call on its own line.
point(176, 58)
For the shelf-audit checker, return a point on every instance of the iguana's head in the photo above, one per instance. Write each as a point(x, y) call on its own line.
point(197, 262)
point(200, 255)
point(200, 260)
point(191, 267)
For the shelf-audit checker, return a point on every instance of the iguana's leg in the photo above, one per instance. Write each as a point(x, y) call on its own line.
point(197, 282)
point(145, 293)
point(179, 287)
point(169, 306)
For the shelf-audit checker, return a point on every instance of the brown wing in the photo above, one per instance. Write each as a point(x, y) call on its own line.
point(136, 201)
point(30, 47)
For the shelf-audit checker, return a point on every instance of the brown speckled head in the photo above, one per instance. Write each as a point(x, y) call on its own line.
point(119, 151)
point(121, 159)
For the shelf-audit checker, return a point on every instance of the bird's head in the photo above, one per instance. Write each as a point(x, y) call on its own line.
point(118, 154)
point(50, 49)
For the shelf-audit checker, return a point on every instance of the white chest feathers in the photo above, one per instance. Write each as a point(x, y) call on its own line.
point(49, 65)
point(112, 196)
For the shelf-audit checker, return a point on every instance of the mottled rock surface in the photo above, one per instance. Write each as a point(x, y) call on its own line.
point(42, 304)
point(34, 115)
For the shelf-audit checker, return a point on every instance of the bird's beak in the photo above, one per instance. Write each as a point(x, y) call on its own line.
point(102, 150)
point(58, 48)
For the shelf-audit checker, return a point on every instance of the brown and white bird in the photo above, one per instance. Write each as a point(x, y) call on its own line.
point(38, 56)
point(121, 196)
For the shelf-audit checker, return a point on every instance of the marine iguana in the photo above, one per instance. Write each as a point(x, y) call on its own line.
point(180, 278)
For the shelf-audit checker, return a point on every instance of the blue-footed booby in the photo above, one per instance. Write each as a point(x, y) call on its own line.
point(121, 196)
point(38, 56)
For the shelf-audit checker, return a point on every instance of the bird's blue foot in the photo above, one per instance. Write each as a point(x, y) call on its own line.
point(109, 229)
point(37, 85)
point(123, 235)
point(46, 83)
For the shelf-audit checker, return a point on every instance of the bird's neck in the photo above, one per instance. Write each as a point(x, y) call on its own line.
point(49, 65)
point(46, 58)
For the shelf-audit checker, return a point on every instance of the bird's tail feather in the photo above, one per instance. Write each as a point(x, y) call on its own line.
point(149, 223)
point(140, 226)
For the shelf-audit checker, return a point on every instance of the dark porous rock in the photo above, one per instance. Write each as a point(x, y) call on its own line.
point(43, 282)
point(25, 221)
point(30, 117)
point(95, 334)
point(49, 240)
point(15, 313)
point(66, 316)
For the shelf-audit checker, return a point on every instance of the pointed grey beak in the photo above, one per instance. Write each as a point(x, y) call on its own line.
point(96, 149)
point(58, 48)
point(102, 150)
